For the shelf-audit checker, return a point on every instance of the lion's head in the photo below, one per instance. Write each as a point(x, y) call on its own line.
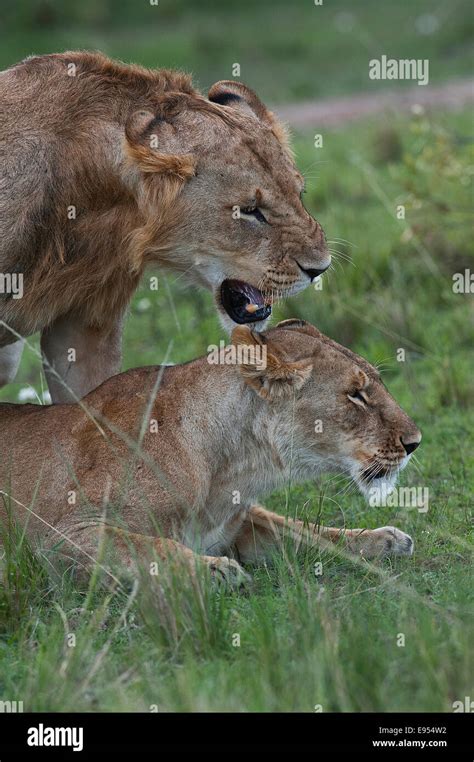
point(340, 416)
point(221, 198)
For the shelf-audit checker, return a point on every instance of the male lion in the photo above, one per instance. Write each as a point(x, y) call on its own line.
point(156, 456)
point(106, 167)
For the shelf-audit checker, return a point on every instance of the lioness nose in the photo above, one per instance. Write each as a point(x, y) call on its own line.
point(411, 443)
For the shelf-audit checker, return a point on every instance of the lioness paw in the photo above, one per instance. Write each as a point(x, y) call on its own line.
point(377, 543)
point(393, 542)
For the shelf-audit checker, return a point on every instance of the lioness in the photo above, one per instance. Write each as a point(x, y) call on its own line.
point(177, 472)
point(105, 168)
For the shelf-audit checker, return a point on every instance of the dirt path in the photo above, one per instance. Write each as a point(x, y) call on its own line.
point(336, 111)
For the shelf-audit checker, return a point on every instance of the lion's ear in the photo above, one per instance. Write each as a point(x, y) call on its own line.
point(149, 136)
point(265, 367)
point(237, 95)
point(156, 169)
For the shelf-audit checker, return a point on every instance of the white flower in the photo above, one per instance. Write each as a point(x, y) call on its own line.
point(143, 305)
point(27, 394)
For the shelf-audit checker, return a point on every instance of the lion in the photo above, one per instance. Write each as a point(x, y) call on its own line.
point(170, 462)
point(106, 168)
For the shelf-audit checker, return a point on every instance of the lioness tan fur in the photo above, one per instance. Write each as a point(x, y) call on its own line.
point(171, 460)
point(107, 167)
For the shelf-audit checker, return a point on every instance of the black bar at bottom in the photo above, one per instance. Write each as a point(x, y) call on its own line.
point(50, 736)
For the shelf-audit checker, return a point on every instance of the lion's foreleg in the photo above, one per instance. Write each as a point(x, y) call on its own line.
point(10, 357)
point(77, 358)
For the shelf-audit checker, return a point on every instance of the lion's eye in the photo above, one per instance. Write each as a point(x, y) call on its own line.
point(253, 211)
point(358, 398)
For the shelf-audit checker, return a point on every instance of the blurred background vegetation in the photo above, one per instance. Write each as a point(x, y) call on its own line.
point(390, 288)
point(287, 49)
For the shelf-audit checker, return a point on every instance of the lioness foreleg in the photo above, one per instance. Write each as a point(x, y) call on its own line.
point(82, 356)
point(117, 550)
point(263, 531)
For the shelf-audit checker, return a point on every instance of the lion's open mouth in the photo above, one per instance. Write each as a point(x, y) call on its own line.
point(244, 303)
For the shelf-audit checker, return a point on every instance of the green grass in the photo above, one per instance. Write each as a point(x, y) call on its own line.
point(287, 50)
point(305, 640)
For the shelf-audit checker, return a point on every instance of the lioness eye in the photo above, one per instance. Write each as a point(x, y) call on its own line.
point(253, 211)
point(358, 398)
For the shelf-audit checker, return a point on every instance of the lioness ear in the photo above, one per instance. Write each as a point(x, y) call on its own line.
point(302, 326)
point(146, 135)
point(265, 368)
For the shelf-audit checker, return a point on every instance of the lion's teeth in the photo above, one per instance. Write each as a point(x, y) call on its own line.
point(252, 308)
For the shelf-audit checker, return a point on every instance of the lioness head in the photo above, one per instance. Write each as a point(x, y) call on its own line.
point(340, 416)
point(222, 199)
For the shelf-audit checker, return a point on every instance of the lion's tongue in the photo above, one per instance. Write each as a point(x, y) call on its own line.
point(243, 303)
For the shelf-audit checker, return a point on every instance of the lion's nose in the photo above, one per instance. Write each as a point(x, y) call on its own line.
point(311, 272)
point(411, 443)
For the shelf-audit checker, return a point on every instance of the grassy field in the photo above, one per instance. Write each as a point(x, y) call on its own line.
point(307, 641)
